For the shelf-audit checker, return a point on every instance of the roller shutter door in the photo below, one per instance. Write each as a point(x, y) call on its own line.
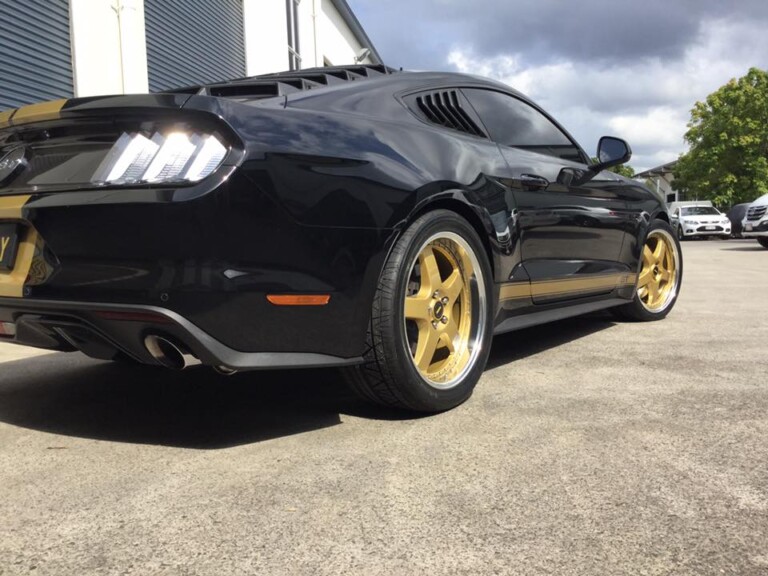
point(35, 52)
point(192, 42)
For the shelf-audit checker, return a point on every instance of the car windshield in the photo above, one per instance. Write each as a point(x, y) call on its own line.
point(698, 211)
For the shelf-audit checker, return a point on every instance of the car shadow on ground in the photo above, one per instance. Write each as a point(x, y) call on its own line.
point(71, 395)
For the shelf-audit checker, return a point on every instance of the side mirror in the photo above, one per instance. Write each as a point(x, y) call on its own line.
point(611, 152)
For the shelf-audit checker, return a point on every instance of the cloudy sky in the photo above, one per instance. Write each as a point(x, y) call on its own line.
point(627, 68)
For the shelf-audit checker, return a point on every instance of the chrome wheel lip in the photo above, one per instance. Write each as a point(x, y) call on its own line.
point(671, 244)
point(479, 302)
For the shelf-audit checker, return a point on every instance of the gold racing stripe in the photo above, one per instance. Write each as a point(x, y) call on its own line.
point(12, 281)
point(515, 291)
point(39, 112)
point(566, 286)
point(5, 118)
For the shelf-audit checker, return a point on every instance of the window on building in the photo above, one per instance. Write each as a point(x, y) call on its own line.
point(294, 50)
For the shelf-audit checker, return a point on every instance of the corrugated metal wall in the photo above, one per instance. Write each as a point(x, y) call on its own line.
point(193, 42)
point(35, 52)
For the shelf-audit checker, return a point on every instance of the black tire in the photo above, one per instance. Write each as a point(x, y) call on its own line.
point(641, 308)
point(390, 376)
point(763, 242)
point(680, 235)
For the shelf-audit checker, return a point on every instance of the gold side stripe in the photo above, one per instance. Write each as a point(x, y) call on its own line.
point(12, 281)
point(38, 112)
point(566, 286)
point(515, 291)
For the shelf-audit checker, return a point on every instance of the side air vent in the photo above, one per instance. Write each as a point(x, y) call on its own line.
point(446, 108)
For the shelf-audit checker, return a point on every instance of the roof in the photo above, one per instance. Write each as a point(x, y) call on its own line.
point(658, 171)
point(357, 29)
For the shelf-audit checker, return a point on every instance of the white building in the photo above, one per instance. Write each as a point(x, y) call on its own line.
point(662, 179)
point(63, 48)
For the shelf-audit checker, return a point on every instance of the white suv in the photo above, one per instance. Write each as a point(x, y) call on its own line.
point(755, 223)
point(697, 221)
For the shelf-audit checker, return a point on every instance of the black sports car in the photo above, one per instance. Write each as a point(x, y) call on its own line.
point(385, 222)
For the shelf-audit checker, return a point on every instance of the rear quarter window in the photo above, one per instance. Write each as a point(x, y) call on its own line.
point(512, 122)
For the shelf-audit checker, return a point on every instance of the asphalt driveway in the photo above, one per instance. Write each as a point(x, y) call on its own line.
point(590, 447)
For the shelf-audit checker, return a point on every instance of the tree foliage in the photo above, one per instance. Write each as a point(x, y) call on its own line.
point(623, 170)
point(728, 137)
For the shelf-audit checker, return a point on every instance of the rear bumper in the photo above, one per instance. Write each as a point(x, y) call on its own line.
point(211, 261)
point(108, 330)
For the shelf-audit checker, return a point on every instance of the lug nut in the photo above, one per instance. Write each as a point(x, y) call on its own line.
point(434, 323)
point(436, 295)
point(444, 319)
point(444, 300)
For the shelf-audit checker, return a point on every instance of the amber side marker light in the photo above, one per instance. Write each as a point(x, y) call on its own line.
point(299, 299)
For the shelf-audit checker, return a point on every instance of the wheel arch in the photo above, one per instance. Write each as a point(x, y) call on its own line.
point(466, 211)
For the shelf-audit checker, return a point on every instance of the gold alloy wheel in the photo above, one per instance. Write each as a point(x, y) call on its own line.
point(444, 310)
point(659, 274)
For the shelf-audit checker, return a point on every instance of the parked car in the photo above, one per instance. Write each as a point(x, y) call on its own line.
point(386, 223)
point(700, 221)
point(755, 222)
point(736, 214)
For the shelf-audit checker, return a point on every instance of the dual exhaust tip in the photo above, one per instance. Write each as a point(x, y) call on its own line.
point(174, 356)
point(168, 353)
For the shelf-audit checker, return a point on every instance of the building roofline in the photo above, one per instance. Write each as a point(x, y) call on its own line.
point(658, 170)
point(357, 28)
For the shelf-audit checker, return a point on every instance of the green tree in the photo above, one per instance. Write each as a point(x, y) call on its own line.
point(728, 137)
point(622, 169)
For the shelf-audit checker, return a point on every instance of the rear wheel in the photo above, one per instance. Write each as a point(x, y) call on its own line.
point(661, 274)
point(763, 242)
point(431, 323)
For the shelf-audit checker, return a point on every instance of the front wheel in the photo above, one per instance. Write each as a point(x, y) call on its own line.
point(660, 278)
point(680, 235)
point(431, 322)
point(763, 242)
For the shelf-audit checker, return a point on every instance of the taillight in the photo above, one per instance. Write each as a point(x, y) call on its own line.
point(162, 158)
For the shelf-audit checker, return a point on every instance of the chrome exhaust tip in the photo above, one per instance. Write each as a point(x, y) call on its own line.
point(226, 371)
point(169, 354)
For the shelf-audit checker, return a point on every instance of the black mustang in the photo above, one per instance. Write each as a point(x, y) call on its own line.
point(388, 223)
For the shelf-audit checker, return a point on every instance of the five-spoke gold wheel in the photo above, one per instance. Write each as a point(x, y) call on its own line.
point(444, 309)
point(659, 274)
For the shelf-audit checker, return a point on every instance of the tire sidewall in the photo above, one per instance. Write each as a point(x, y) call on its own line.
point(639, 310)
point(396, 343)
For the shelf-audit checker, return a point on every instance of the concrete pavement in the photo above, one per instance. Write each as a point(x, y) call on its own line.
point(590, 447)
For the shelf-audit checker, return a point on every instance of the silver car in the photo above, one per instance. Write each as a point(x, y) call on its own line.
point(755, 223)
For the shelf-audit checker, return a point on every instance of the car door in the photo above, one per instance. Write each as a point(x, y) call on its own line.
point(572, 223)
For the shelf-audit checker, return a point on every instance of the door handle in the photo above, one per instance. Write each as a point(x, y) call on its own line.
point(533, 182)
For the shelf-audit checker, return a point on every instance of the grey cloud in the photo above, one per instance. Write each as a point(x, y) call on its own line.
point(418, 34)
